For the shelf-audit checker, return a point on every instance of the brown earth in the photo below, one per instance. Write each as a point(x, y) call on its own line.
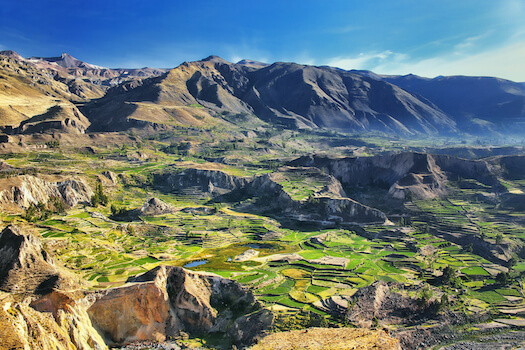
point(329, 339)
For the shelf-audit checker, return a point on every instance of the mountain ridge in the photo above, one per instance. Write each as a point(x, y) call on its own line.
point(289, 95)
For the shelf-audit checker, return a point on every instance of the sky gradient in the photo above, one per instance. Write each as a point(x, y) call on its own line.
point(423, 37)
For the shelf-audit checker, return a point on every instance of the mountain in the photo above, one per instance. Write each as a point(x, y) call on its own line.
point(66, 61)
point(84, 80)
point(288, 94)
point(27, 92)
point(477, 104)
point(40, 94)
point(204, 93)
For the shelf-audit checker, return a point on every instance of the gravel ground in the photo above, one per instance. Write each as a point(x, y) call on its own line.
point(502, 341)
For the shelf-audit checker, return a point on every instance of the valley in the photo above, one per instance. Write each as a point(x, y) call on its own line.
point(406, 230)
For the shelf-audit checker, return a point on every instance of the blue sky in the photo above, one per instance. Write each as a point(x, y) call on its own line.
point(424, 37)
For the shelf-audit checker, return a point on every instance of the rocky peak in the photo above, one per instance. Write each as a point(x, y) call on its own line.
point(155, 206)
point(26, 267)
point(67, 61)
point(215, 59)
point(12, 54)
point(252, 63)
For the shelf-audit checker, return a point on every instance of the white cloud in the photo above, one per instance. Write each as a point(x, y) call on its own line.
point(365, 60)
point(503, 62)
point(469, 43)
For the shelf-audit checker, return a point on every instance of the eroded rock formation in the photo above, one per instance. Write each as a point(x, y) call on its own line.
point(27, 268)
point(167, 300)
point(326, 203)
point(43, 306)
point(421, 175)
point(25, 190)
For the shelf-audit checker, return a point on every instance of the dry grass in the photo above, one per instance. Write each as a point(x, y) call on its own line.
point(328, 339)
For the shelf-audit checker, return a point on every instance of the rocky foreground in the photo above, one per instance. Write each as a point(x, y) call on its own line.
point(43, 307)
point(328, 339)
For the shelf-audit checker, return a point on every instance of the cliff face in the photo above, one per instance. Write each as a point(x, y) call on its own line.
point(328, 204)
point(202, 182)
point(26, 190)
point(167, 300)
point(422, 175)
point(42, 309)
point(133, 312)
point(26, 267)
point(302, 193)
point(46, 309)
point(34, 326)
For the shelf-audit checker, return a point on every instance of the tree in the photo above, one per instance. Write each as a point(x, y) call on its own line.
point(499, 238)
point(513, 261)
point(450, 277)
point(482, 234)
point(99, 197)
point(424, 297)
point(503, 278)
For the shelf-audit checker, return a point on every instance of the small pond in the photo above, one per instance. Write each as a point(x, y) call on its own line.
point(195, 263)
point(259, 246)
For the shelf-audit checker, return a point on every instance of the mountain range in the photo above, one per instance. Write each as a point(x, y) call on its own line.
point(40, 94)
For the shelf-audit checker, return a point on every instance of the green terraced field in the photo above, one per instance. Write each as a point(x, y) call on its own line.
point(290, 269)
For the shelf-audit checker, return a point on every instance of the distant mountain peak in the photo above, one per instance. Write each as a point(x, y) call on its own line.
point(214, 58)
point(252, 63)
point(12, 54)
point(67, 61)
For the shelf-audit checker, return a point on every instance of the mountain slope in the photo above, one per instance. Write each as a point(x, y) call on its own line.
point(26, 91)
point(327, 97)
point(282, 93)
point(201, 93)
point(39, 94)
point(478, 104)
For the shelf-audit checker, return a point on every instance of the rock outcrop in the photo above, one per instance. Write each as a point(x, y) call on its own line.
point(43, 306)
point(53, 322)
point(109, 178)
point(167, 300)
point(25, 190)
point(326, 202)
point(379, 302)
point(200, 182)
point(155, 206)
point(422, 175)
point(26, 267)
point(319, 197)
